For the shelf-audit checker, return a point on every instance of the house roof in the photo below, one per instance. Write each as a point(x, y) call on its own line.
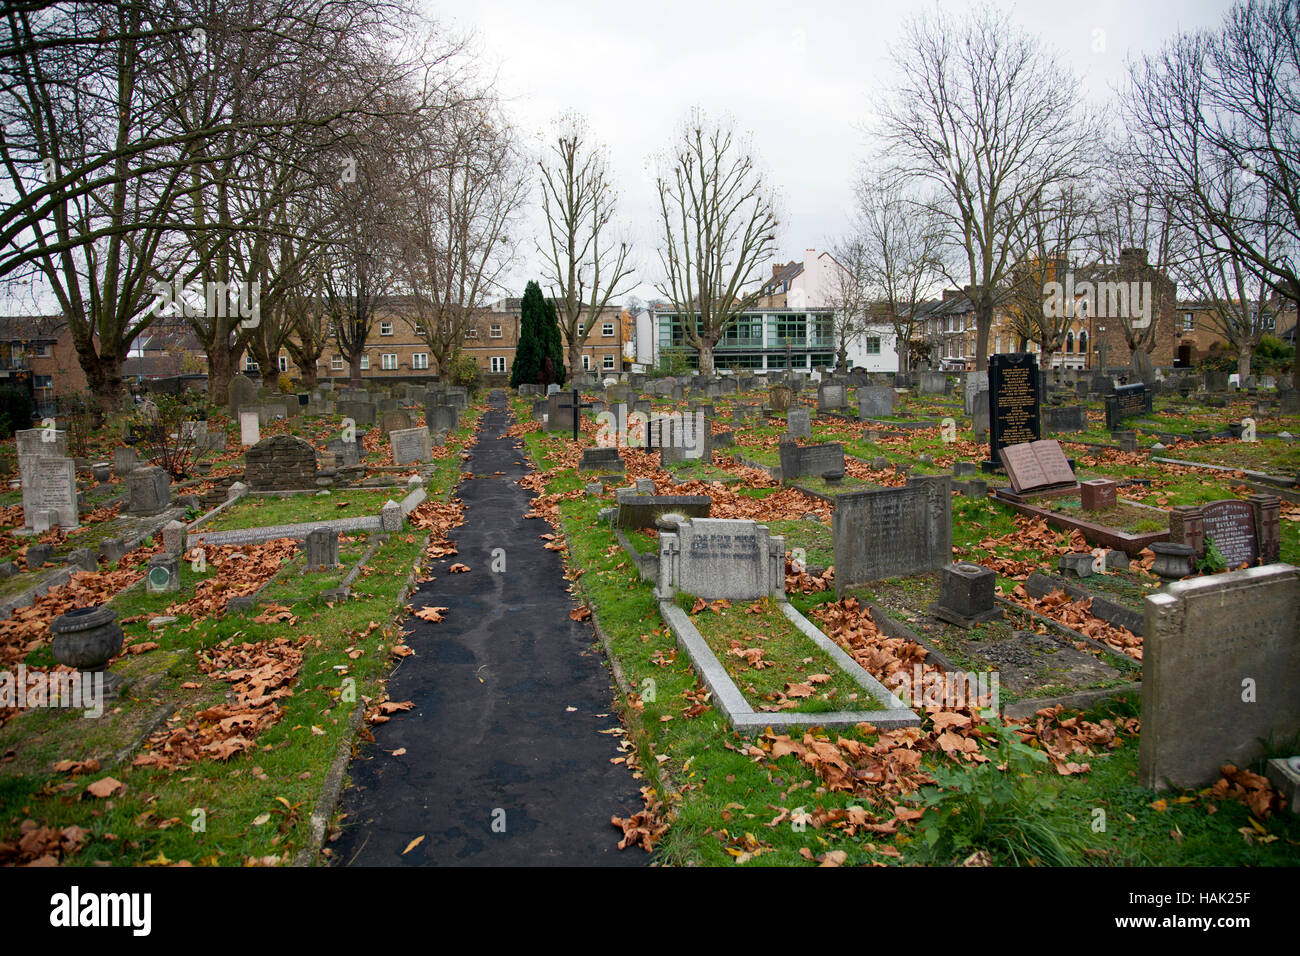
point(31, 328)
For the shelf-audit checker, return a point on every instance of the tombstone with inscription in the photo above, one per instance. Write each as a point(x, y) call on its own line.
point(683, 438)
point(56, 490)
point(1013, 403)
point(35, 445)
point(715, 558)
point(394, 419)
point(933, 383)
point(363, 413)
point(241, 392)
point(1036, 466)
point(1243, 532)
point(887, 532)
point(1129, 401)
point(1064, 418)
point(124, 460)
point(643, 510)
point(832, 396)
point(410, 445)
point(1220, 668)
point(322, 549)
point(250, 432)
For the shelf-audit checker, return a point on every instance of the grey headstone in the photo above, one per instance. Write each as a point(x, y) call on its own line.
point(721, 558)
point(799, 422)
point(148, 491)
point(888, 532)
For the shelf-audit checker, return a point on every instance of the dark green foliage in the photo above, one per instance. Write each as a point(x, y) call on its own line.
point(16, 409)
point(539, 357)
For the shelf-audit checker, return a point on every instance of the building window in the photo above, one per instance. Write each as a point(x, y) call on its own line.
point(607, 330)
point(385, 328)
point(1189, 323)
point(494, 330)
point(336, 363)
point(1069, 342)
point(607, 363)
point(471, 333)
point(498, 362)
point(581, 327)
point(388, 361)
point(873, 345)
point(365, 363)
point(420, 360)
point(249, 364)
point(1083, 343)
point(41, 351)
point(42, 381)
point(419, 329)
point(284, 363)
point(586, 363)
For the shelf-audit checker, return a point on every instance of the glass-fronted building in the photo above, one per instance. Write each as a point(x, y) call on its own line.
point(759, 339)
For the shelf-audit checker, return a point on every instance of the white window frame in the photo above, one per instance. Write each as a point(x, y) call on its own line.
point(365, 363)
point(607, 330)
point(498, 365)
point(336, 363)
point(471, 332)
point(388, 361)
point(607, 363)
point(284, 363)
point(586, 362)
point(494, 330)
point(385, 328)
point(419, 360)
point(581, 326)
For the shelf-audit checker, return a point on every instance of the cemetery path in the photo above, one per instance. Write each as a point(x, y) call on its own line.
point(510, 697)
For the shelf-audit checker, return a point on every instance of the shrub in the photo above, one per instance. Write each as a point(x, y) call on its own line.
point(17, 408)
point(465, 372)
point(284, 383)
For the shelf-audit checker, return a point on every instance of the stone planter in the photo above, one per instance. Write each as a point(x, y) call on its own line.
point(1173, 561)
point(86, 638)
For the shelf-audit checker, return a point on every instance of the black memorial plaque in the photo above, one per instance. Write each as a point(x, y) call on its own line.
point(1013, 402)
point(1128, 401)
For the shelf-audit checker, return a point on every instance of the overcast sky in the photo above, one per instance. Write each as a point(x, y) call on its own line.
point(800, 78)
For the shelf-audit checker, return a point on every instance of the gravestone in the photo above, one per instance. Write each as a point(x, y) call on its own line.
point(1036, 466)
point(1243, 531)
point(124, 460)
point(601, 458)
point(410, 445)
point(966, 595)
point(173, 535)
point(56, 490)
point(1013, 402)
point(980, 426)
point(643, 510)
point(797, 462)
point(831, 396)
point(1097, 494)
point(281, 463)
point(35, 445)
point(346, 454)
point(457, 396)
point(714, 558)
point(560, 412)
point(363, 413)
point(241, 393)
point(798, 422)
point(164, 574)
point(1102, 385)
point(933, 383)
point(1220, 668)
point(322, 549)
point(249, 431)
point(887, 532)
point(974, 383)
point(395, 419)
point(195, 433)
point(1216, 381)
point(779, 398)
point(684, 438)
point(1129, 401)
point(1064, 418)
point(876, 401)
point(148, 491)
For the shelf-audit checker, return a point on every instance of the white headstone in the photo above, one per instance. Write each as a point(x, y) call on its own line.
point(249, 433)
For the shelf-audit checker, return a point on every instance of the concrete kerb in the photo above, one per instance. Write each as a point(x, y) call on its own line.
point(745, 720)
point(1081, 700)
point(1126, 662)
point(332, 786)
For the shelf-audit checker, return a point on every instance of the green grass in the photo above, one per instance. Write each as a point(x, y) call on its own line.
point(256, 511)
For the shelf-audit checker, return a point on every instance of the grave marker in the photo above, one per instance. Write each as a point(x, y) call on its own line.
point(716, 558)
point(410, 445)
point(1129, 401)
point(886, 532)
point(1036, 466)
point(1013, 403)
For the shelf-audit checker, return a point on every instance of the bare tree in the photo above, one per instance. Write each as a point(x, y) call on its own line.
point(1219, 115)
point(585, 268)
point(985, 115)
point(719, 225)
point(900, 250)
point(847, 294)
point(469, 188)
point(1055, 233)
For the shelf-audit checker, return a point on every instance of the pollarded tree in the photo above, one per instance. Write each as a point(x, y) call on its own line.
point(719, 222)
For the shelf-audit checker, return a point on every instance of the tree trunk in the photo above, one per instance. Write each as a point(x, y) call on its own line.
point(1142, 365)
point(1044, 357)
point(308, 375)
point(983, 322)
point(354, 370)
point(575, 358)
point(221, 369)
point(706, 357)
point(104, 379)
point(270, 377)
point(1243, 362)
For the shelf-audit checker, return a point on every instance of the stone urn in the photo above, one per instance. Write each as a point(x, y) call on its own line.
point(102, 470)
point(86, 638)
point(1173, 561)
